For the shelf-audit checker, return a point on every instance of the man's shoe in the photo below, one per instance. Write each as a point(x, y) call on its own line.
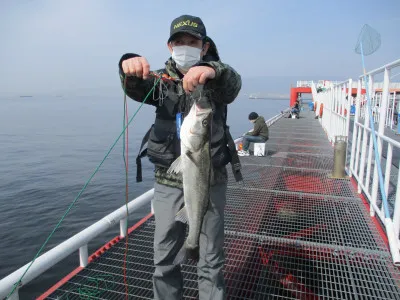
point(243, 153)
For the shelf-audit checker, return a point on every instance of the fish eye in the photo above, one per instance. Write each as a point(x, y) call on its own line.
point(204, 122)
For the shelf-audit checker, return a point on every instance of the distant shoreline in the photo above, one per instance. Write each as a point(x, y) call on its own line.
point(268, 98)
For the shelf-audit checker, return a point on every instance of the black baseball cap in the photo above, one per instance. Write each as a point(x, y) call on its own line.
point(188, 24)
point(253, 115)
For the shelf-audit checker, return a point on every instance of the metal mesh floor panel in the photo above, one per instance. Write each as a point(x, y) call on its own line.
point(282, 138)
point(275, 148)
point(316, 219)
point(257, 267)
point(280, 270)
point(294, 160)
point(298, 143)
point(293, 180)
point(289, 134)
point(292, 232)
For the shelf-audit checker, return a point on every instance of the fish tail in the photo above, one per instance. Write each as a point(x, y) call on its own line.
point(193, 253)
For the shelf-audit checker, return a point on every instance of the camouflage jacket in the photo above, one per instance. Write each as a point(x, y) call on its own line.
point(222, 90)
point(260, 128)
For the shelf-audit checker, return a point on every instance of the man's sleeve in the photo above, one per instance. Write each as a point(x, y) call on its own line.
point(256, 130)
point(136, 88)
point(227, 82)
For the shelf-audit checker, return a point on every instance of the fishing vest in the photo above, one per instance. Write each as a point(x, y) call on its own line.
point(163, 144)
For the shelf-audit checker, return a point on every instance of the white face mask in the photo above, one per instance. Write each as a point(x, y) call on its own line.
point(185, 56)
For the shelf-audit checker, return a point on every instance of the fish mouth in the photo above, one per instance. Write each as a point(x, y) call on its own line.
point(193, 133)
point(199, 109)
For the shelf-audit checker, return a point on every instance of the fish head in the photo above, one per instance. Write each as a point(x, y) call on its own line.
point(196, 127)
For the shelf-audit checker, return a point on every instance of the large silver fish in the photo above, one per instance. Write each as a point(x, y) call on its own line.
point(195, 166)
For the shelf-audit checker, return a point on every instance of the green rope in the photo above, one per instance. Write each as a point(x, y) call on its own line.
point(93, 288)
point(84, 187)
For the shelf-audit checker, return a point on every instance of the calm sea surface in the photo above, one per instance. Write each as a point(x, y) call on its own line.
point(48, 149)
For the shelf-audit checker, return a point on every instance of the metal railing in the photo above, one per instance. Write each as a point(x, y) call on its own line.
point(335, 120)
point(335, 113)
point(77, 242)
point(362, 159)
point(391, 112)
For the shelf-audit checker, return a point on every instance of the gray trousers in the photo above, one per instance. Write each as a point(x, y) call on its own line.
point(169, 238)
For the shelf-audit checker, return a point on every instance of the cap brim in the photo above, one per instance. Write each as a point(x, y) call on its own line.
point(192, 33)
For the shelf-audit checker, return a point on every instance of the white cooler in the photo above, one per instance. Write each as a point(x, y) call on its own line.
point(259, 149)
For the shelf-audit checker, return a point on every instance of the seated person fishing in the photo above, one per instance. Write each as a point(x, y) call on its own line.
point(295, 109)
point(259, 134)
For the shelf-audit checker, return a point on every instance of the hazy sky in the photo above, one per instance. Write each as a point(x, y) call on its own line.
point(55, 46)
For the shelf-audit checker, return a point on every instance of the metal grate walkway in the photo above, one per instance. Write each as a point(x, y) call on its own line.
point(292, 232)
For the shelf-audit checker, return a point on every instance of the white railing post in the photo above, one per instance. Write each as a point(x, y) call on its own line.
point(370, 153)
point(364, 146)
point(83, 256)
point(388, 168)
point(357, 129)
point(396, 212)
point(381, 129)
point(384, 101)
point(349, 100)
point(369, 163)
point(332, 125)
point(348, 105)
point(123, 226)
point(343, 121)
point(391, 114)
point(336, 111)
point(333, 110)
point(395, 108)
point(354, 155)
point(370, 147)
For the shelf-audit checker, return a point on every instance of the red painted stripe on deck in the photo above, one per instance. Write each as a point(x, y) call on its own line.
point(59, 284)
point(92, 257)
point(115, 240)
point(140, 223)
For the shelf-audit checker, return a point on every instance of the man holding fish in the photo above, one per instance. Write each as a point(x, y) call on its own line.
point(190, 157)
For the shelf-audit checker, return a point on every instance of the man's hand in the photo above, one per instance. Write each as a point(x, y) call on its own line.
point(136, 66)
point(196, 76)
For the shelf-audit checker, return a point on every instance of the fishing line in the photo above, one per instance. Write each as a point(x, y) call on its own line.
point(126, 164)
point(18, 283)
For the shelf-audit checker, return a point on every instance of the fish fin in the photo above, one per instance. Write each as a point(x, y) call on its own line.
point(185, 254)
point(182, 216)
point(176, 166)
